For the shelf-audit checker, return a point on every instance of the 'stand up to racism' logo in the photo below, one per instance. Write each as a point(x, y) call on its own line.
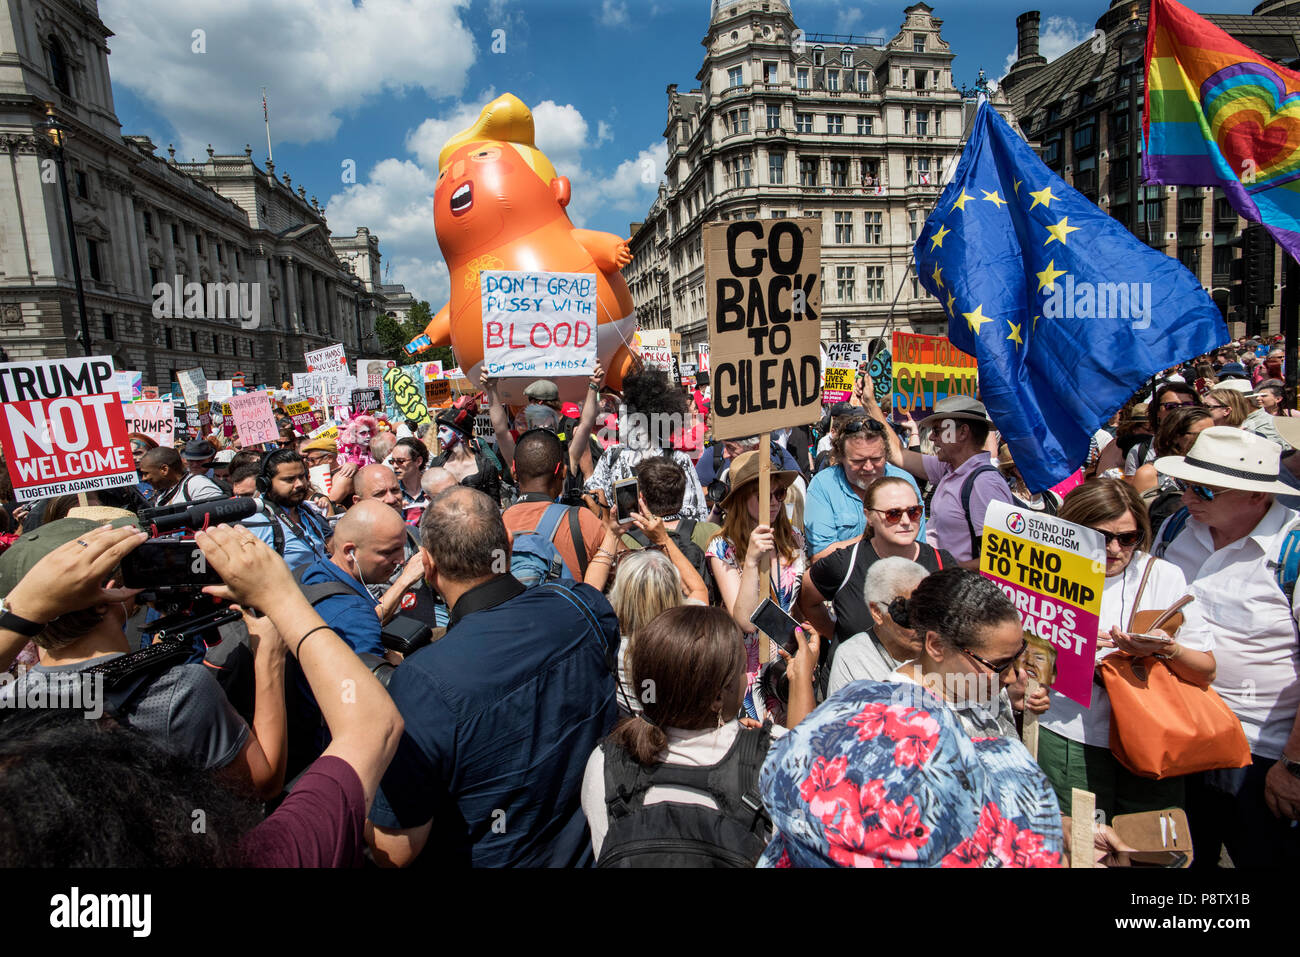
point(1015, 523)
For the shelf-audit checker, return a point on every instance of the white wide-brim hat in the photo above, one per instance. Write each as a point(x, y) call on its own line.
point(1236, 385)
point(1288, 426)
point(1229, 458)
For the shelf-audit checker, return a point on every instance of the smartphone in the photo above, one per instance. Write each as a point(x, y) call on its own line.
point(627, 499)
point(171, 563)
point(774, 623)
point(1163, 639)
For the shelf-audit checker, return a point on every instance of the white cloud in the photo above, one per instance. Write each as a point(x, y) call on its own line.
point(613, 13)
point(396, 199)
point(340, 54)
point(1056, 37)
point(847, 20)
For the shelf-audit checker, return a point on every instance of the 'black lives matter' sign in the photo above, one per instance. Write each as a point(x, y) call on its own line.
point(763, 279)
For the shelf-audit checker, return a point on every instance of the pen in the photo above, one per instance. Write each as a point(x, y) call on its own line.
point(1173, 828)
point(1164, 831)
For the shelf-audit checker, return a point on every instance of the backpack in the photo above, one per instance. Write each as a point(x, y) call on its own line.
point(687, 835)
point(682, 536)
point(967, 490)
point(534, 559)
point(1162, 505)
point(1286, 569)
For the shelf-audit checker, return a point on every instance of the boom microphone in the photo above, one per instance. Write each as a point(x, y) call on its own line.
point(203, 514)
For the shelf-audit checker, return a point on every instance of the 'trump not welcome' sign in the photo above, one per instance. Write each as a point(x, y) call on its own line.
point(62, 427)
point(763, 282)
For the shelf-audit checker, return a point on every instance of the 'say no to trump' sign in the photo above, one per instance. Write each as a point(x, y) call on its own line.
point(62, 427)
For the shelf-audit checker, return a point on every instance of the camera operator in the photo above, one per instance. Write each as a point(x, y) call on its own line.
point(301, 527)
point(77, 623)
point(124, 803)
point(163, 469)
point(540, 468)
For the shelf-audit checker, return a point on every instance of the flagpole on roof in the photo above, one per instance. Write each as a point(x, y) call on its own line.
point(266, 118)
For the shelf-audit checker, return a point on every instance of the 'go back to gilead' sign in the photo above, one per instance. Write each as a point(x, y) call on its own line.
point(763, 283)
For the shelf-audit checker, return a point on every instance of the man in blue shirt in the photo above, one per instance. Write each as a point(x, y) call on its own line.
point(288, 522)
point(834, 510)
point(501, 714)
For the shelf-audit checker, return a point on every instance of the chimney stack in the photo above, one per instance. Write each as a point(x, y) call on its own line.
point(1028, 59)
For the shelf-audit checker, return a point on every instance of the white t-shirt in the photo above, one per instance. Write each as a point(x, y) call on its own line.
point(1165, 586)
point(1254, 626)
point(695, 749)
point(194, 488)
point(861, 657)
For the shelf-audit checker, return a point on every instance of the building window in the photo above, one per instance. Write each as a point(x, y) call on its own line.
point(870, 170)
point(738, 174)
point(237, 266)
point(910, 177)
point(819, 56)
point(774, 117)
point(776, 169)
point(198, 243)
point(148, 223)
point(777, 214)
point(803, 122)
point(1190, 256)
point(194, 342)
point(833, 80)
point(167, 340)
point(844, 283)
point(807, 171)
point(176, 234)
point(875, 283)
point(923, 170)
point(1052, 152)
point(907, 122)
point(844, 228)
point(801, 78)
point(220, 254)
point(920, 78)
point(922, 122)
point(835, 123)
point(913, 222)
point(769, 71)
point(83, 185)
point(938, 123)
point(92, 260)
point(59, 67)
point(108, 327)
point(1085, 137)
point(864, 81)
point(736, 121)
point(864, 125)
point(736, 76)
point(840, 173)
point(874, 228)
point(846, 56)
point(918, 42)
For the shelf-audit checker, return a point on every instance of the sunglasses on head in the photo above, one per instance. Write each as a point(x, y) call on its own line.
point(895, 515)
point(998, 669)
point(862, 425)
point(1125, 539)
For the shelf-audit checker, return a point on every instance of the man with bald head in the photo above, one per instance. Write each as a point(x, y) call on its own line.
point(377, 482)
point(404, 589)
point(435, 480)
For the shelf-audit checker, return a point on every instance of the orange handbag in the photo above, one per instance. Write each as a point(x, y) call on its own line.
point(1162, 726)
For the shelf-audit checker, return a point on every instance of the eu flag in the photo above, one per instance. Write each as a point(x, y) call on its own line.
point(1066, 311)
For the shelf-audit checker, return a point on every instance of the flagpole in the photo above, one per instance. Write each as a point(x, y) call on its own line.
point(266, 118)
point(1291, 321)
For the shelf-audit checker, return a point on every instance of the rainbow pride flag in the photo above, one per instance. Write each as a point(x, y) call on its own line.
point(1219, 114)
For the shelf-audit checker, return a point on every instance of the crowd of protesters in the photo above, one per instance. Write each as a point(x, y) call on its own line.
point(470, 650)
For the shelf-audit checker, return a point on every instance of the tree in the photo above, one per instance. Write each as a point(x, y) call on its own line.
point(393, 337)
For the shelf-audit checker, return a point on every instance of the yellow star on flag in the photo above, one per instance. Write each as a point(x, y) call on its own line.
point(1043, 197)
point(962, 200)
point(977, 318)
point(938, 276)
point(938, 238)
point(951, 299)
point(1047, 278)
point(1015, 333)
point(1019, 183)
point(1060, 231)
point(994, 198)
point(1036, 318)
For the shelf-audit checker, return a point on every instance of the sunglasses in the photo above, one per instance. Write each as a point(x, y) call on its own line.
point(861, 425)
point(895, 515)
point(396, 461)
point(997, 669)
point(1214, 405)
point(1125, 539)
point(1176, 405)
point(1203, 492)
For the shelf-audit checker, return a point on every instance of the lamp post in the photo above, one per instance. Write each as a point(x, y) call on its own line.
point(1132, 47)
point(58, 136)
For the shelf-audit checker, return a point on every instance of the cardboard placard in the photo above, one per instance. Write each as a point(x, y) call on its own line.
point(62, 428)
point(407, 397)
point(319, 476)
point(437, 394)
point(327, 430)
point(1053, 572)
point(367, 400)
point(431, 370)
point(302, 416)
point(763, 287)
point(128, 385)
point(657, 349)
point(328, 359)
point(193, 383)
point(154, 419)
point(254, 418)
point(370, 372)
point(837, 381)
point(219, 390)
point(537, 325)
point(702, 359)
point(881, 371)
point(928, 369)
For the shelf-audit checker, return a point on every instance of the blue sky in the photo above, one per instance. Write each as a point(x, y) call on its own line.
point(382, 86)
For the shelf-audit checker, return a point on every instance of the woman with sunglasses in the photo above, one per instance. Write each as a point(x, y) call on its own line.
point(893, 517)
point(1074, 742)
point(734, 556)
point(1227, 407)
point(971, 644)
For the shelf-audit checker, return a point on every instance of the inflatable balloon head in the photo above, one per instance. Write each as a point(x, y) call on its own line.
point(500, 205)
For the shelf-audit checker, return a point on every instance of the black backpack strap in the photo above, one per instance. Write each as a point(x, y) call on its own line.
point(686, 530)
point(968, 489)
point(315, 594)
point(579, 542)
point(624, 789)
point(717, 461)
point(639, 537)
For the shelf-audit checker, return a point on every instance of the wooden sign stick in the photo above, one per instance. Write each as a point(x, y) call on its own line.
point(1083, 810)
point(1029, 730)
point(764, 516)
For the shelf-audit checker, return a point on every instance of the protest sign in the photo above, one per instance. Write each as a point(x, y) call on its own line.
point(329, 359)
point(227, 420)
point(702, 359)
point(302, 416)
point(1053, 572)
point(193, 383)
point(437, 394)
point(407, 397)
point(882, 376)
point(128, 385)
point(928, 369)
point(327, 430)
point(154, 419)
point(657, 349)
point(367, 400)
point(762, 284)
point(430, 371)
point(149, 392)
point(319, 476)
point(204, 410)
point(62, 427)
point(219, 390)
point(254, 419)
point(370, 372)
point(336, 386)
point(840, 371)
point(537, 325)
